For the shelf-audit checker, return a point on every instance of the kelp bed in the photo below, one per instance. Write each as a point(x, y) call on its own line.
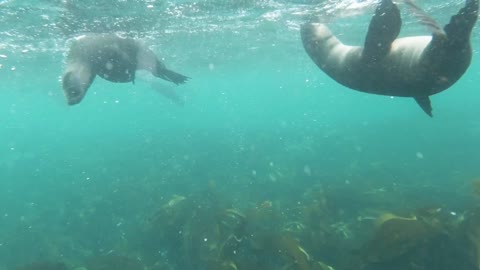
point(203, 230)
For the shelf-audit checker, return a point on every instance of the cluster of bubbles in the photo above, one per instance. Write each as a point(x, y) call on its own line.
point(23, 23)
point(46, 25)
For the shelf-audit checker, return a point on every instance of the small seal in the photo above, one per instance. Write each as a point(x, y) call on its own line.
point(417, 66)
point(111, 57)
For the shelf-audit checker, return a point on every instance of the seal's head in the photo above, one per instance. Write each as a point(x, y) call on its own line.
point(76, 82)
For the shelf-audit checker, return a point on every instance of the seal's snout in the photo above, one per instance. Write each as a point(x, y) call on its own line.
point(73, 89)
point(73, 97)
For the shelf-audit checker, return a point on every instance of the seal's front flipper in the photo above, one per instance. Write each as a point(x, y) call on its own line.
point(461, 24)
point(425, 104)
point(383, 30)
point(76, 81)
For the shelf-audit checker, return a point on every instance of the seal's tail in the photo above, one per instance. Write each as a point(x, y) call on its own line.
point(172, 76)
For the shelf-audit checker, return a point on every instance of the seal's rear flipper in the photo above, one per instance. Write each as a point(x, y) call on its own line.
point(170, 75)
point(425, 104)
point(173, 76)
point(382, 31)
point(424, 18)
point(169, 92)
point(461, 24)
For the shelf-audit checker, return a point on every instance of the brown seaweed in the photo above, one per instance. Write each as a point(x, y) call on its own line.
point(114, 262)
point(476, 187)
point(43, 265)
point(395, 237)
point(431, 241)
point(470, 233)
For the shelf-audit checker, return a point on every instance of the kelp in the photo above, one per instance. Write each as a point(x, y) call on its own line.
point(470, 228)
point(476, 187)
point(211, 234)
point(396, 236)
point(431, 241)
point(114, 262)
point(290, 248)
point(204, 230)
point(285, 251)
point(192, 229)
point(470, 234)
point(43, 265)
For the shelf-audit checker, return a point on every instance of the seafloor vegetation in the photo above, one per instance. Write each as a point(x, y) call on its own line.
point(326, 227)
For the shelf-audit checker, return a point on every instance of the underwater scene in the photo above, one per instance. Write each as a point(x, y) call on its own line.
point(224, 146)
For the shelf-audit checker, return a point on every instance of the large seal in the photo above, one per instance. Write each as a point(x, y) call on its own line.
point(417, 66)
point(111, 57)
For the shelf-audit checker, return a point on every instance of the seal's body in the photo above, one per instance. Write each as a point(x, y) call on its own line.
point(111, 57)
point(417, 66)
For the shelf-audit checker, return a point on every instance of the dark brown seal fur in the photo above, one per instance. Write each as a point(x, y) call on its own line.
point(418, 66)
point(111, 57)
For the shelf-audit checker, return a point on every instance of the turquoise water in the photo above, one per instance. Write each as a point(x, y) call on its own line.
point(260, 123)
